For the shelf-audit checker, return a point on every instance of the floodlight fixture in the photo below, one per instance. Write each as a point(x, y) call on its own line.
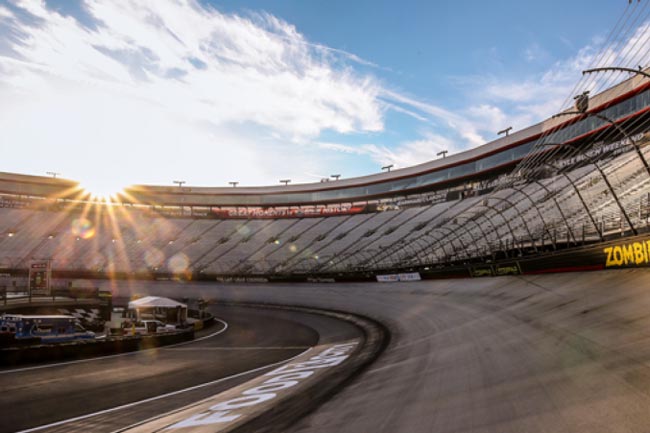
point(582, 101)
point(285, 181)
point(388, 167)
point(505, 131)
point(443, 153)
point(179, 183)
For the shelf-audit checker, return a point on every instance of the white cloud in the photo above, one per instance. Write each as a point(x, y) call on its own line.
point(158, 89)
point(535, 53)
point(169, 77)
point(496, 103)
point(402, 155)
point(413, 152)
point(460, 125)
point(5, 13)
point(540, 95)
point(261, 71)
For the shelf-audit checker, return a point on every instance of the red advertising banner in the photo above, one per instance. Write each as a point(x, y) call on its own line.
point(286, 213)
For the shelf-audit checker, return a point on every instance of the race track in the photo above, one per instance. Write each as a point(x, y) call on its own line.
point(111, 393)
point(548, 353)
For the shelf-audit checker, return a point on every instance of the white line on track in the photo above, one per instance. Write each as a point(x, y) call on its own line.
point(158, 397)
point(135, 352)
point(187, 349)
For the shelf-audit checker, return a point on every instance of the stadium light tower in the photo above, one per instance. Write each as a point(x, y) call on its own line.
point(505, 131)
point(335, 176)
point(388, 167)
point(234, 184)
point(443, 153)
point(179, 183)
point(53, 174)
point(285, 181)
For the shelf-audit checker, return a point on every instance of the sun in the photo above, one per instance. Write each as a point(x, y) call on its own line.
point(102, 190)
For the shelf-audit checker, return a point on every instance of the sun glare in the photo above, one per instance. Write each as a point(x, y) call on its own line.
point(102, 191)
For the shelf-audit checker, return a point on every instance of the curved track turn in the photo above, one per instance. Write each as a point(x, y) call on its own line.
point(565, 352)
point(111, 393)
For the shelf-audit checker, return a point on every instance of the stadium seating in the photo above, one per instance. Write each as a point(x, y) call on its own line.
point(523, 216)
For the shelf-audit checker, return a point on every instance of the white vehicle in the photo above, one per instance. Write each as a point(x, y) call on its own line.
point(152, 327)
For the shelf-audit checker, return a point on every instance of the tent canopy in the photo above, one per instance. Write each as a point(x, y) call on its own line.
point(155, 302)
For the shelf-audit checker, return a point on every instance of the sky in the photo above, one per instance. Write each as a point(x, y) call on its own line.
point(117, 92)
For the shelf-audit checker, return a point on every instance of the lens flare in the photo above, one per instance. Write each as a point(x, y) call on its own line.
point(94, 261)
point(83, 228)
point(178, 263)
point(154, 257)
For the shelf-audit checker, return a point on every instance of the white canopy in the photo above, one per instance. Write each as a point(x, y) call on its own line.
point(155, 302)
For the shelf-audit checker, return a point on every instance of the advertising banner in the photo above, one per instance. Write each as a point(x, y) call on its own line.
point(410, 276)
point(39, 278)
point(393, 278)
point(627, 254)
point(508, 269)
point(286, 213)
point(482, 271)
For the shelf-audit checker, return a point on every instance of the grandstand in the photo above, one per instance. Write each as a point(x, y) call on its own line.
point(576, 179)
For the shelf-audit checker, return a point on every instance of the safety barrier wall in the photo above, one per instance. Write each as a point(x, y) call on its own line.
point(89, 349)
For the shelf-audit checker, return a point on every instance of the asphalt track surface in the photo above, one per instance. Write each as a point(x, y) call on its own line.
point(111, 393)
point(549, 353)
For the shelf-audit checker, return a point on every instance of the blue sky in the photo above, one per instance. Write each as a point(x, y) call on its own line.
point(118, 92)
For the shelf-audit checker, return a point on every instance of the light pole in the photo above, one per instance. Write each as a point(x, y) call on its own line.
point(285, 181)
point(53, 174)
point(335, 176)
point(443, 153)
point(387, 167)
point(234, 184)
point(180, 183)
point(505, 131)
